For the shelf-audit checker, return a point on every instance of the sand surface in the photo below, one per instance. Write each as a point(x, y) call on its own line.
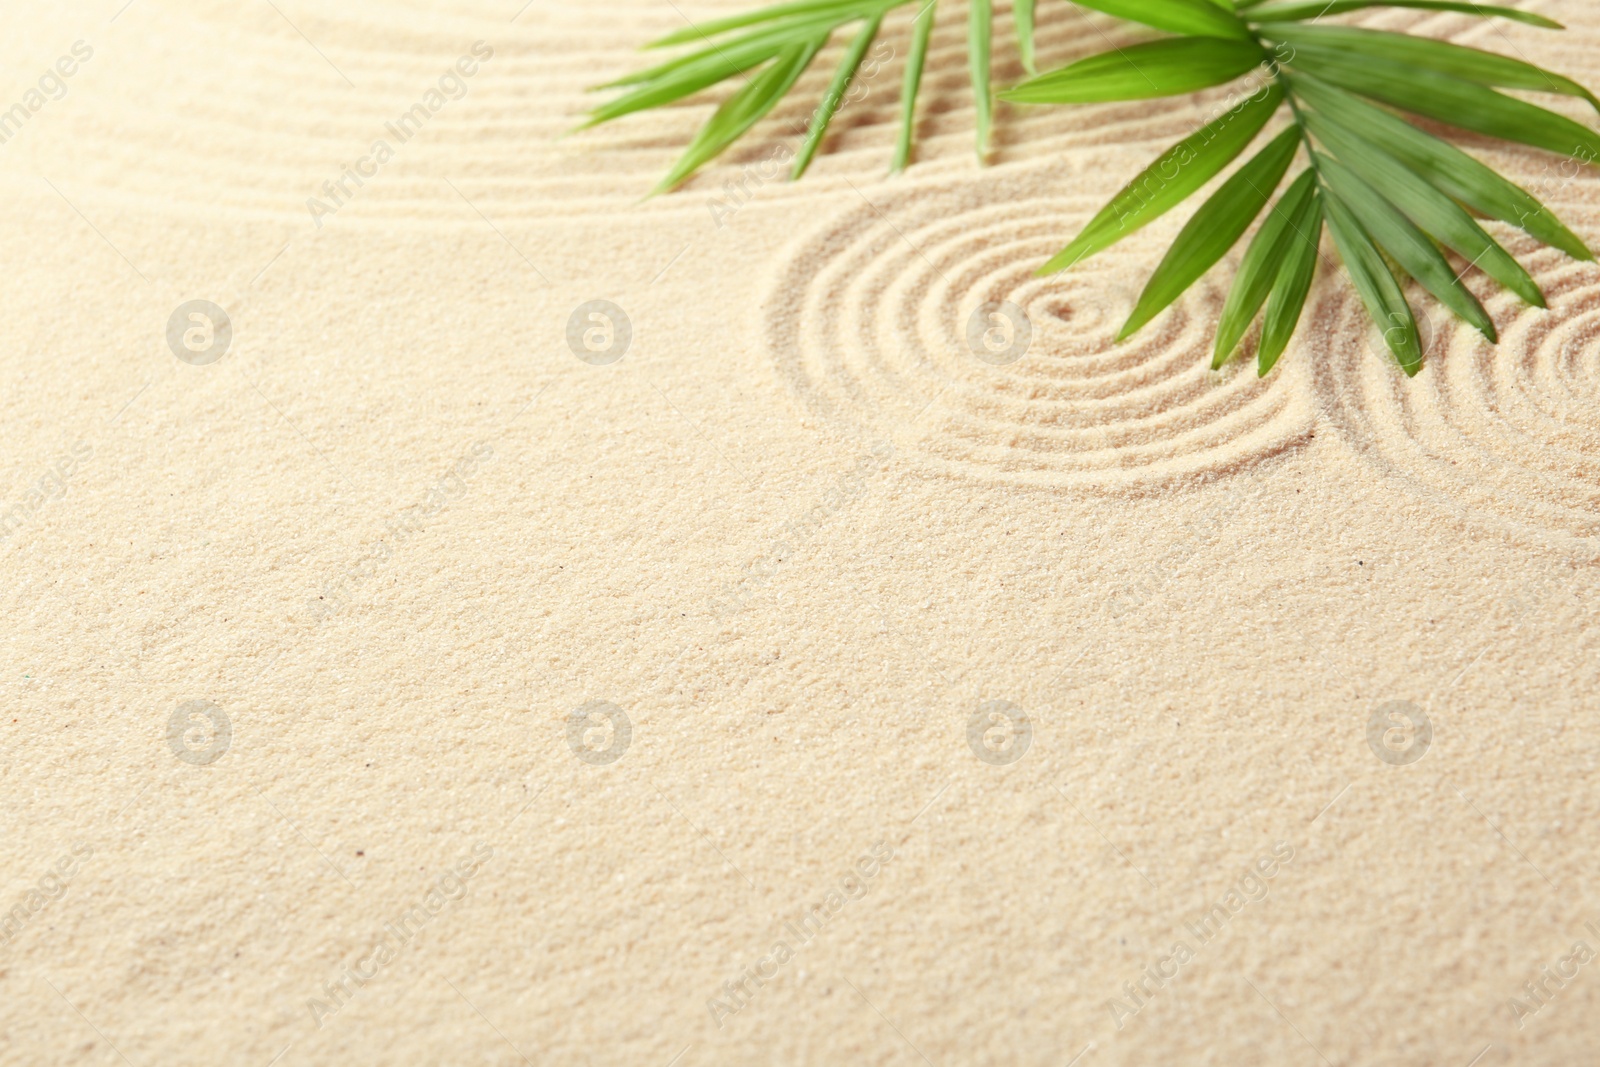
point(397, 687)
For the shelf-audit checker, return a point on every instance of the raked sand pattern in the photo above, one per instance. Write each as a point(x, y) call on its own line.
point(1508, 434)
point(923, 312)
point(458, 611)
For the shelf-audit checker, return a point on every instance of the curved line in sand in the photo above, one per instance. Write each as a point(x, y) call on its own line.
point(867, 319)
point(1509, 434)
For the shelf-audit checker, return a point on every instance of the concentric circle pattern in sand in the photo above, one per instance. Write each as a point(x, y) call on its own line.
point(1507, 433)
point(869, 320)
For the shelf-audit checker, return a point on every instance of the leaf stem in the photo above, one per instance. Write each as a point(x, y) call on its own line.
point(1287, 88)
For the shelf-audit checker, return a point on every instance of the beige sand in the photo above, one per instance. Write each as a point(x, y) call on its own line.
point(398, 534)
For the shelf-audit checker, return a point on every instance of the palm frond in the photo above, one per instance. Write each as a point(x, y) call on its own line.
point(980, 20)
point(916, 59)
point(772, 46)
point(1395, 197)
point(1316, 9)
point(1022, 15)
point(835, 94)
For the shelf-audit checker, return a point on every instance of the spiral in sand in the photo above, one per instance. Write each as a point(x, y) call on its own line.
point(1508, 434)
point(871, 320)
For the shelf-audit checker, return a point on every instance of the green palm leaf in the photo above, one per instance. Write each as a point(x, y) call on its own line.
point(1378, 290)
point(1471, 64)
point(921, 34)
point(1138, 72)
point(1448, 168)
point(1293, 284)
point(835, 94)
point(1460, 103)
point(673, 81)
point(1169, 181)
point(1316, 9)
point(836, 10)
point(741, 110)
point(979, 27)
point(1260, 268)
point(1214, 228)
point(1395, 198)
point(1441, 217)
point(1389, 192)
point(1201, 17)
point(1407, 245)
point(761, 47)
point(1022, 14)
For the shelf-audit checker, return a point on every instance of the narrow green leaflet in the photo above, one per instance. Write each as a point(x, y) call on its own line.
point(1410, 247)
point(763, 42)
point(1259, 268)
point(1214, 228)
point(921, 34)
point(836, 10)
point(1138, 72)
point(835, 95)
point(1439, 216)
point(1022, 15)
point(741, 111)
point(680, 78)
point(1385, 303)
point(1397, 198)
point(1289, 292)
point(980, 25)
point(737, 47)
point(1460, 103)
point(1199, 17)
point(1446, 166)
point(1472, 64)
point(1316, 9)
point(1166, 183)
